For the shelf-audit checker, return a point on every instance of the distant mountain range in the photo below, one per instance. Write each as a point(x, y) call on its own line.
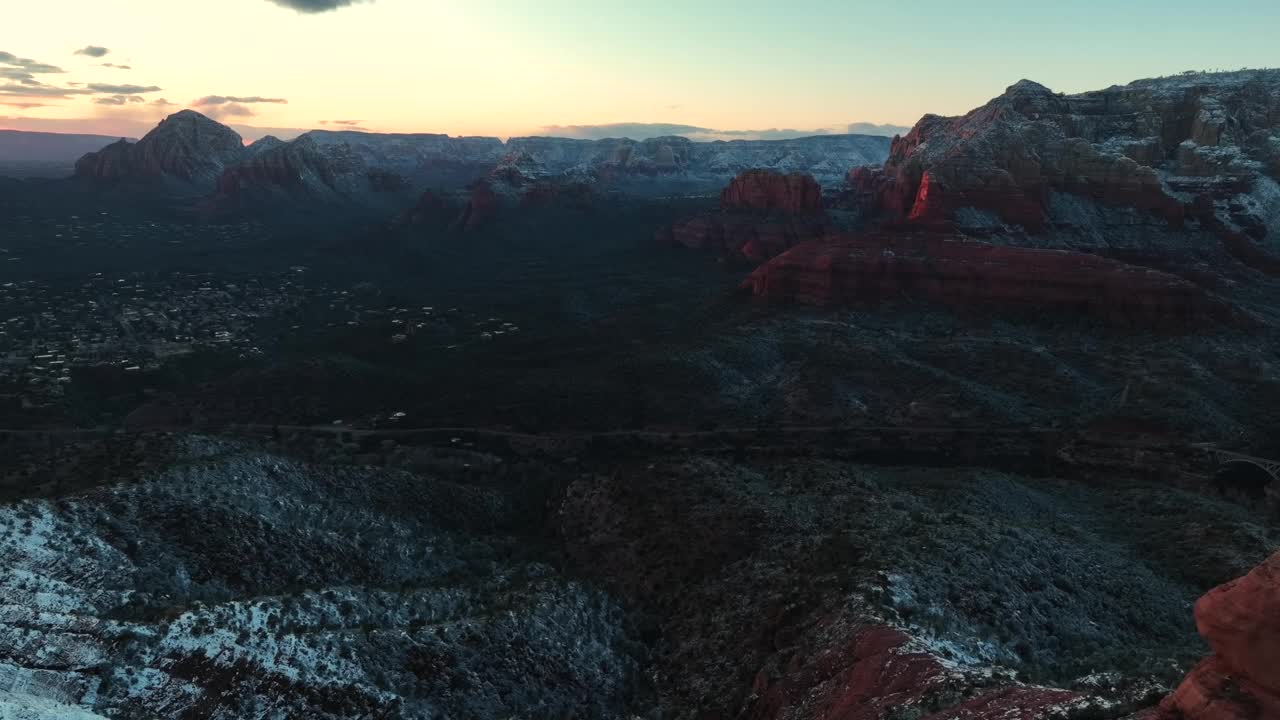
point(192, 155)
point(25, 154)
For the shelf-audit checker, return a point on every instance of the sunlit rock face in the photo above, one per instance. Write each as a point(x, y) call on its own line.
point(1241, 679)
point(872, 268)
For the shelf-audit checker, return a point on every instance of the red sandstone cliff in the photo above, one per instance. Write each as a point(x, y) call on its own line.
point(762, 214)
point(964, 273)
point(1241, 679)
point(1193, 147)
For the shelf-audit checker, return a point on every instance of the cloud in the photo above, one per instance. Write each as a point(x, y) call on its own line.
point(864, 128)
point(122, 89)
point(119, 100)
point(118, 67)
point(345, 123)
point(26, 105)
point(315, 6)
point(27, 64)
point(645, 131)
point(40, 90)
point(95, 51)
point(161, 102)
point(635, 131)
point(217, 112)
point(211, 100)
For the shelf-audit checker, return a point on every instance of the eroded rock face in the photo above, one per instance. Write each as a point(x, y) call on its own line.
point(185, 146)
point(1202, 146)
point(762, 214)
point(872, 268)
point(768, 191)
point(1241, 679)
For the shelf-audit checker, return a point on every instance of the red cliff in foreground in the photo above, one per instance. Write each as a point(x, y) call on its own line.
point(868, 269)
point(1241, 679)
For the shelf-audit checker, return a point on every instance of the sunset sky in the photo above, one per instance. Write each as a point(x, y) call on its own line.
point(495, 67)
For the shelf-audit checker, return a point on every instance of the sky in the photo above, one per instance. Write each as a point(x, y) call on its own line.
point(587, 68)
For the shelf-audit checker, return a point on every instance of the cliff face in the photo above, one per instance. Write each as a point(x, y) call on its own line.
point(1194, 147)
point(762, 214)
point(1241, 679)
point(869, 269)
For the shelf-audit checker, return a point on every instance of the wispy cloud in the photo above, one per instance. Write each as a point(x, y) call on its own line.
point(344, 123)
point(109, 89)
point(117, 67)
point(217, 112)
point(95, 51)
point(40, 90)
point(27, 64)
point(315, 6)
point(645, 131)
point(119, 100)
point(211, 100)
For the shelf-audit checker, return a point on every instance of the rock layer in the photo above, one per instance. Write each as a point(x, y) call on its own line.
point(967, 274)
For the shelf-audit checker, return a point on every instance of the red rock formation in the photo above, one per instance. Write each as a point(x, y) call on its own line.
point(482, 206)
point(1205, 133)
point(769, 191)
point(762, 214)
point(432, 209)
point(1241, 679)
point(185, 146)
point(576, 195)
point(962, 273)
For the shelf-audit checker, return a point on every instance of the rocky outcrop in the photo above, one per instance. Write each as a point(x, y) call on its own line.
point(1183, 148)
point(185, 146)
point(870, 268)
point(768, 191)
point(762, 214)
point(1241, 679)
point(433, 209)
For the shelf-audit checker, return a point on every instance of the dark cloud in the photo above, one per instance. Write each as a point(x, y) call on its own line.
point(40, 90)
point(26, 105)
point(769, 134)
point(119, 100)
point(118, 67)
point(635, 131)
point(27, 64)
point(95, 51)
point(864, 128)
point(316, 6)
point(211, 100)
point(108, 89)
point(217, 112)
point(161, 102)
point(13, 73)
